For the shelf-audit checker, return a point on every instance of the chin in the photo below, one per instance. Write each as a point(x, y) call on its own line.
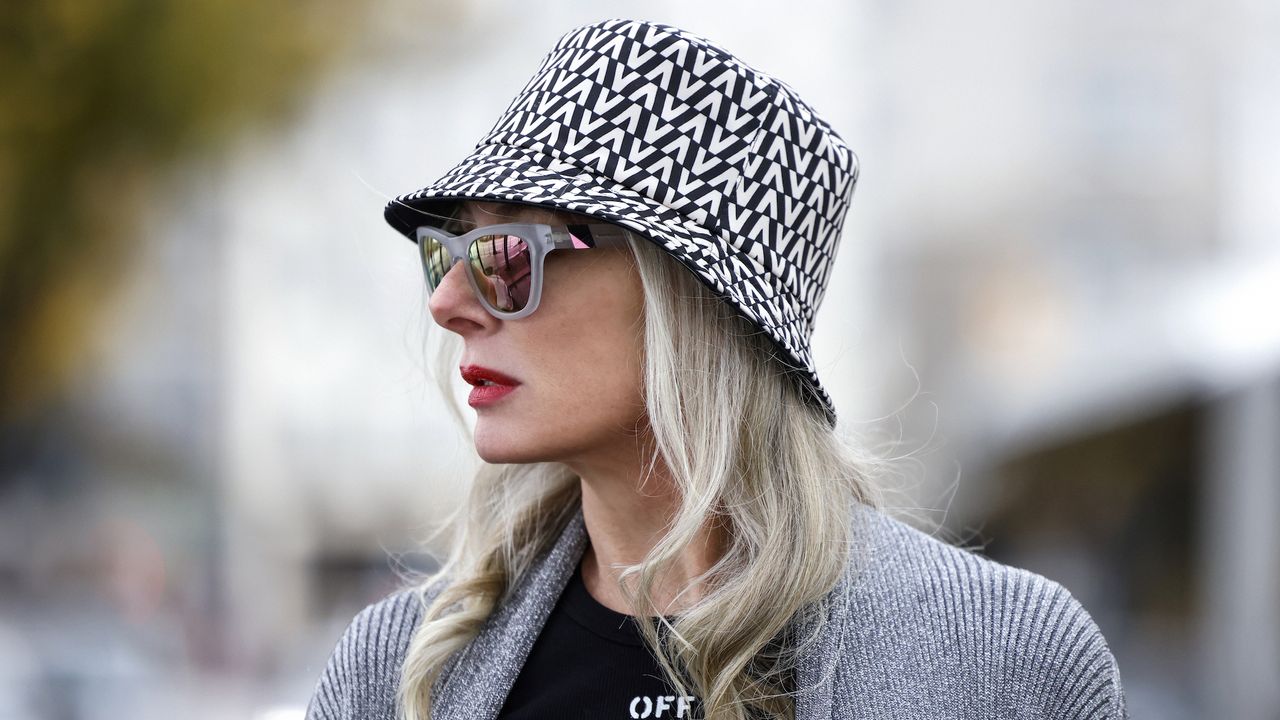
point(498, 446)
point(497, 453)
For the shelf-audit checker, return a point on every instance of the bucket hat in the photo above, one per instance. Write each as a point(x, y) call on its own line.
point(662, 132)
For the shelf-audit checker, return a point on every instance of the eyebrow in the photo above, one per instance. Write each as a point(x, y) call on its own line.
point(471, 214)
point(463, 213)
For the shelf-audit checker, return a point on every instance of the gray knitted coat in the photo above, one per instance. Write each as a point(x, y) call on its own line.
point(919, 629)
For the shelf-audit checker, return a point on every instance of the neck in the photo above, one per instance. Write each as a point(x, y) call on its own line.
point(626, 513)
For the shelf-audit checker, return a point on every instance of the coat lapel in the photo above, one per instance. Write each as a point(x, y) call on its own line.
point(481, 678)
point(815, 670)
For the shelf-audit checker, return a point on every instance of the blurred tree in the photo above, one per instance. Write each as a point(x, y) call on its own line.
point(98, 101)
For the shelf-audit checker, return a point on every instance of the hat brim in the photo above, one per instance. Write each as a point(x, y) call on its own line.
point(521, 175)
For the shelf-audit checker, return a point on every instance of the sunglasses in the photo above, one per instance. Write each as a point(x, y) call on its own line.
point(505, 262)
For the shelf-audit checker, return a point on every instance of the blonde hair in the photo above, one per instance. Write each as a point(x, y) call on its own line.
point(745, 450)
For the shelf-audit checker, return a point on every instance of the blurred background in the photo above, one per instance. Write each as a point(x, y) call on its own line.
point(1057, 305)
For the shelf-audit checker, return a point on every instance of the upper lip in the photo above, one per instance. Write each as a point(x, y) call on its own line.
point(476, 374)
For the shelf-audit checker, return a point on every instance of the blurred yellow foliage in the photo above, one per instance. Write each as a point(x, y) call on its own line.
point(98, 100)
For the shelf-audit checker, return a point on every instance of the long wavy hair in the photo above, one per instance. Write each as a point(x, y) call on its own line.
point(745, 450)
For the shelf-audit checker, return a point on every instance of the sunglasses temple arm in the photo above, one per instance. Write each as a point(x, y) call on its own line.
point(596, 236)
point(607, 235)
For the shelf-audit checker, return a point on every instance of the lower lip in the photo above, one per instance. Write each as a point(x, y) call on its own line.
point(486, 394)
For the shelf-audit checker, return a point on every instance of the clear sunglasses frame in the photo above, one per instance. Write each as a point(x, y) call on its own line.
point(540, 239)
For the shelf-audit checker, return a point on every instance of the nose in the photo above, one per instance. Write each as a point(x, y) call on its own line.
point(454, 305)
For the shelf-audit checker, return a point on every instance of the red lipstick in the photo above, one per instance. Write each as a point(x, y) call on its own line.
point(489, 386)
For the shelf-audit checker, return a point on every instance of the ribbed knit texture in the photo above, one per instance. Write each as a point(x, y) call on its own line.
point(918, 629)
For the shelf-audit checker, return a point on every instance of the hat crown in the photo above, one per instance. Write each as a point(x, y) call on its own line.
point(687, 124)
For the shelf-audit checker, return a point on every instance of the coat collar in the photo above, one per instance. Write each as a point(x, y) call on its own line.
point(485, 671)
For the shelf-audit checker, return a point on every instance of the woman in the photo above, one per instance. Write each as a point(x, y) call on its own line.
point(668, 525)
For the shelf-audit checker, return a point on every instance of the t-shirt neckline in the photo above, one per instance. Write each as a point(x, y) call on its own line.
point(597, 617)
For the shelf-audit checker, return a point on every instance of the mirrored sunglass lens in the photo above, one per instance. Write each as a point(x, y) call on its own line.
point(435, 260)
point(502, 266)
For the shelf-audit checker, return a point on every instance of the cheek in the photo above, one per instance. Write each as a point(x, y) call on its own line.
point(597, 359)
point(594, 341)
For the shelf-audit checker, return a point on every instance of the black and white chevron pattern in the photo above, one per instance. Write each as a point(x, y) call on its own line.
point(663, 132)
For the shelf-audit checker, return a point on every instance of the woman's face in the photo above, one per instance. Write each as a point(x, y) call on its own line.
point(576, 359)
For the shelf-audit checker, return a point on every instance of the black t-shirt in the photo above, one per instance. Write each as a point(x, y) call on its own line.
point(591, 662)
